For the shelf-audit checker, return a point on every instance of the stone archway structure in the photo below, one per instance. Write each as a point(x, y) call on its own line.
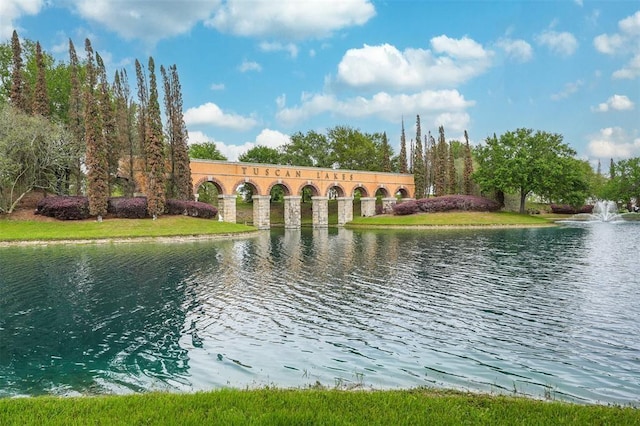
point(228, 176)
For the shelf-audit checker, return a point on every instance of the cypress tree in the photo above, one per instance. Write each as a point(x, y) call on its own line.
point(441, 164)
point(76, 114)
point(468, 167)
point(143, 100)
point(386, 154)
point(452, 180)
point(430, 142)
point(125, 127)
point(96, 155)
point(154, 145)
point(107, 114)
point(418, 163)
point(40, 94)
point(17, 94)
point(180, 183)
point(612, 169)
point(403, 151)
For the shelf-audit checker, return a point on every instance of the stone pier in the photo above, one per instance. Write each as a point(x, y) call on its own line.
point(387, 204)
point(292, 214)
point(227, 208)
point(367, 206)
point(320, 209)
point(261, 211)
point(345, 210)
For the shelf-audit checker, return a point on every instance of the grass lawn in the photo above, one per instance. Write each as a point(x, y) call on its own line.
point(165, 226)
point(308, 407)
point(453, 219)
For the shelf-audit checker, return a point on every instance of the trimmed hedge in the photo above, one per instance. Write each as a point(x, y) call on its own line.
point(128, 208)
point(190, 208)
point(64, 207)
point(446, 203)
point(567, 209)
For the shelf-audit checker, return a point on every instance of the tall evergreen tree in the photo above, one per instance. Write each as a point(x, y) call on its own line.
point(96, 155)
point(467, 181)
point(403, 151)
point(418, 163)
point(612, 169)
point(125, 128)
point(440, 182)
point(430, 152)
point(154, 149)
point(143, 101)
point(386, 153)
point(40, 102)
point(452, 180)
point(18, 94)
point(107, 114)
point(599, 170)
point(180, 183)
point(76, 113)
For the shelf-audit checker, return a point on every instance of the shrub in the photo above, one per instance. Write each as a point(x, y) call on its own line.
point(64, 207)
point(128, 208)
point(567, 209)
point(190, 208)
point(447, 203)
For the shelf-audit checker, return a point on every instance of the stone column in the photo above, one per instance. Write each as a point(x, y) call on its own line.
point(388, 203)
point(292, 214)
point(320, 208)
point(345, 210)
point(261, 211)
point(368, 206)
point(227, 208)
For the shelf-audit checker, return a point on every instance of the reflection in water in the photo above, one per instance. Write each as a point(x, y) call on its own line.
point(542, 311)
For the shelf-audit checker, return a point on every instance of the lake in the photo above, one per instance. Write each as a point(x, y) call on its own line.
point(548, 312)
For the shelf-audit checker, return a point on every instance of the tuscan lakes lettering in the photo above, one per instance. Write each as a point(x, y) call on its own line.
point(321, 174)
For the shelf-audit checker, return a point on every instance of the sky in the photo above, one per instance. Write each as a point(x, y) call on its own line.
point(254, 72)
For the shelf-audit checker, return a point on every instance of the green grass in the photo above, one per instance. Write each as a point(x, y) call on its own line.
point(308, 407)
point(165, 226)
point(453, 219)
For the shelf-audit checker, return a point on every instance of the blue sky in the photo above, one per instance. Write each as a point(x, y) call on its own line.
point(255, 72)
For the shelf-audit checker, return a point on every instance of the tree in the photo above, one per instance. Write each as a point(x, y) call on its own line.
point(180, 183)
point(113, 149)
point(154, 150)
point(386, 152)
point(261, 154)
point(452, 180)
point(310, 150)
point(419, 172)
point(206, 151)
point(96, 155)
point(33, 150)
point(625, 185)
point(354, 150)
point(125, 128)
point(40, 94)
point(76, 115)
point(467, 181)
point(440, 164)
point(18, 87)
point(403, 151)
point(526, 162)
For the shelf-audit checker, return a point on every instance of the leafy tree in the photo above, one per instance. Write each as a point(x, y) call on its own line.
point(386, 152)
point(403, 151)
point(452, 180)
point(419, 172)
point(467, 181)
point(40, 94)
point(310, 150)
point(33, 150)
point(206, 151)
point(625, 186)
point(96, 155)
point(261, 154)
point(354, 150)
point(527, 162)
point(154, 149)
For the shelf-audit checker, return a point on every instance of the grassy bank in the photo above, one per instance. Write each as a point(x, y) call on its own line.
point(272, 406)
point(455, 218)
point(165, 226)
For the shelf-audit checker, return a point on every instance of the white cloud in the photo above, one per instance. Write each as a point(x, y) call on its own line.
point(267, 137)
point(560, 43)
point(579, 2)
point(518, 50)
point(381, 105)
point(211, 114)
point(246, 66)
point(290, 19)
point(291, 48)
point(613, 142)
point(568, 90)
point(10, 10)
point(385, 67)
point(146, 20)
point(281, 101)
point(615, 102)
point(626, 42)
point(217, 86)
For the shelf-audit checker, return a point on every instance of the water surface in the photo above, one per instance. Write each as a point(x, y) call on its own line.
point(544, 312)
